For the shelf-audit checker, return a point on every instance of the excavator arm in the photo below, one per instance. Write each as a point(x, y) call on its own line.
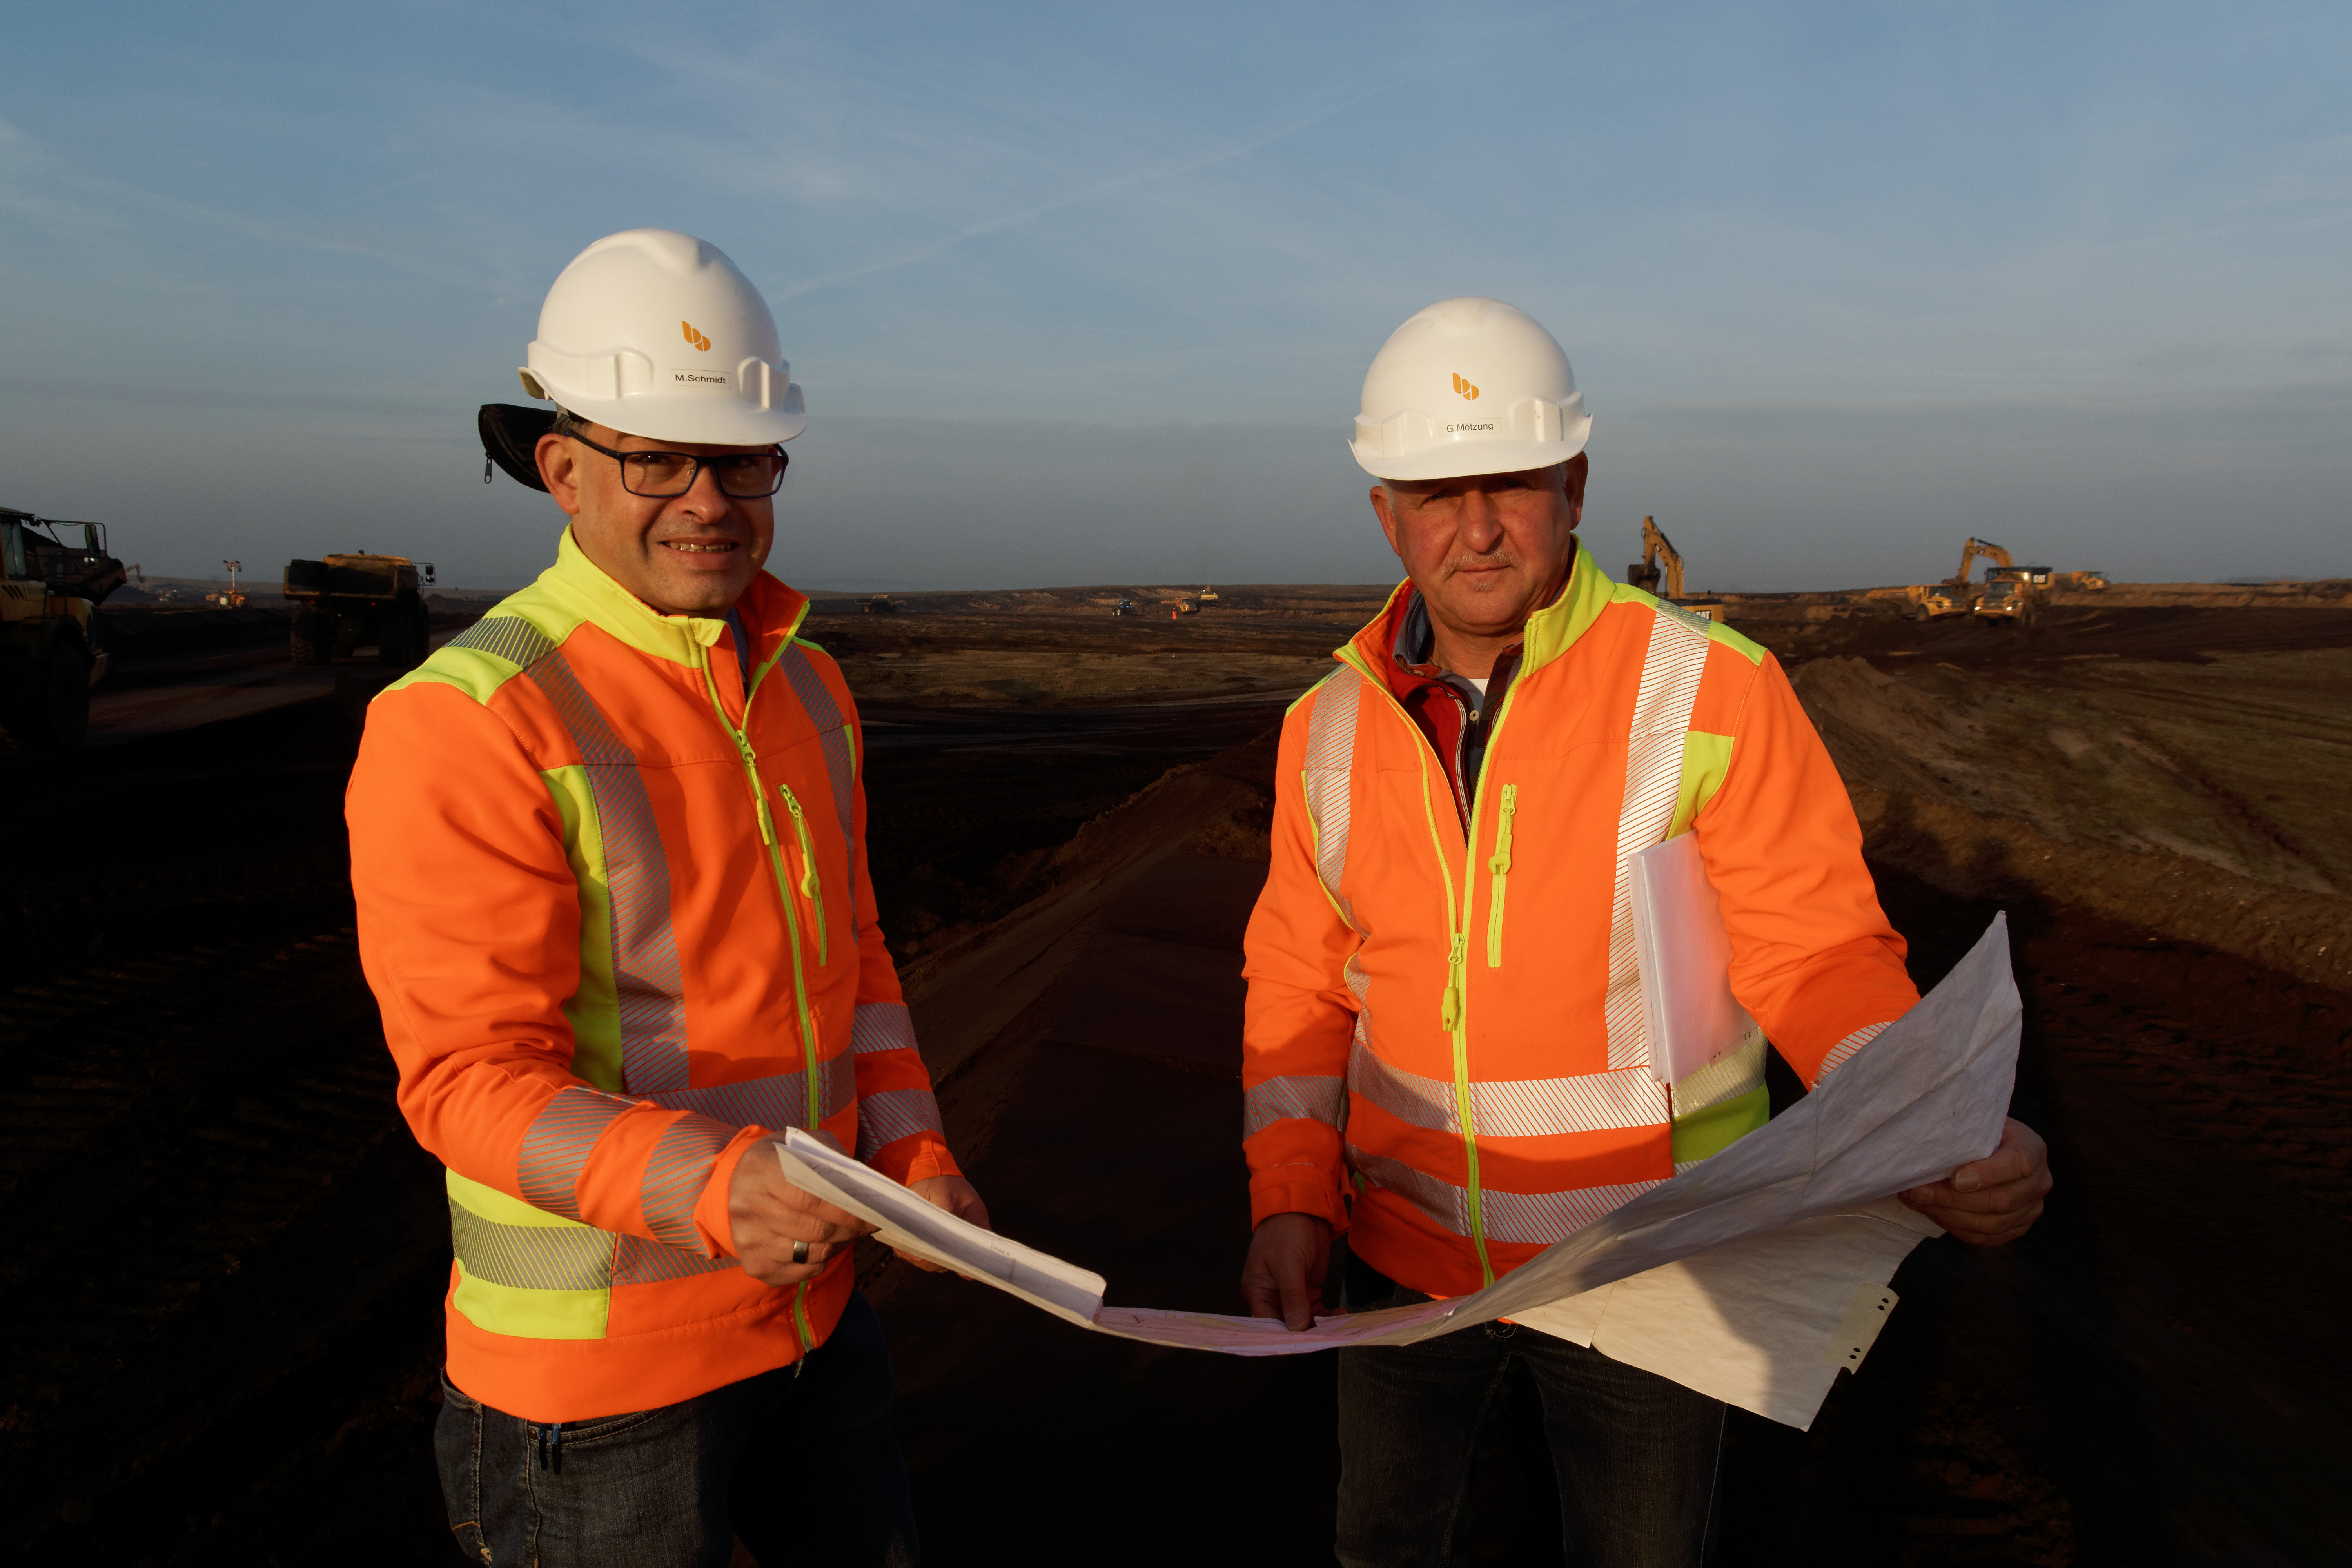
point(1657, 549)
point(1976, 549)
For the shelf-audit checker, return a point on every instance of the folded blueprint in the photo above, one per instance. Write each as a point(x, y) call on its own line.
point(1752, 1277)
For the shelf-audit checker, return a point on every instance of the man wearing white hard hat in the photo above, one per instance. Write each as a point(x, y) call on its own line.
point(608, 848)
point(1445, 1055)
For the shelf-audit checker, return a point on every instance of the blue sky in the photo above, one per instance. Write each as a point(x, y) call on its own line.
point(1085, 293)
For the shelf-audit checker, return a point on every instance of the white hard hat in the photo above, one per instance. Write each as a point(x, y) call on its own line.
point(656, 334)
point(1468, 387)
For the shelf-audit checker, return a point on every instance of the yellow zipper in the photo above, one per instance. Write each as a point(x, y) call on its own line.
point(1453, 1009)
point(1500, 864)
point(783, 878)
point(812, 884)
point(800, 1323)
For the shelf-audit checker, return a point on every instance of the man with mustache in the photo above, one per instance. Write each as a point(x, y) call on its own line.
point(1444, 1053)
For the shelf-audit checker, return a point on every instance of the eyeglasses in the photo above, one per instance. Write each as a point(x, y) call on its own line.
point(663, 475)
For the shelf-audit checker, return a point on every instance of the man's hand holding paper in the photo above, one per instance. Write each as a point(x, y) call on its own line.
point(1993, 1200)
point(1288, 1257)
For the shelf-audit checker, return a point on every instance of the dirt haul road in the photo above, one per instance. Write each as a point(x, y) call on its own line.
point(227, 1256)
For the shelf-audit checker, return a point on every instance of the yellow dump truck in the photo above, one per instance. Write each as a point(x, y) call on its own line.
point(51, 651)
point(2009, 599)
point(345, 603)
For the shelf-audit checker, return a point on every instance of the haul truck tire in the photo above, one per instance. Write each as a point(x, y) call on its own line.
point(312, 641)
point(406, 634)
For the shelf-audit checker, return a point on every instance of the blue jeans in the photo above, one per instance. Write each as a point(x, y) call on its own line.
point(1635, 1454)
point(805, 1469)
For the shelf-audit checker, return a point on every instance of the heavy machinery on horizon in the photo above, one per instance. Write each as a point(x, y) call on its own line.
point(52, 640)
point(1660, 562)
point(347, 602)
point(2010, 592)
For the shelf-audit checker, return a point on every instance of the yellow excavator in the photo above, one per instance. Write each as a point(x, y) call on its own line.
point(2008, 589)
point(1956, 595)
point(1660, 562)
point(1976, 550)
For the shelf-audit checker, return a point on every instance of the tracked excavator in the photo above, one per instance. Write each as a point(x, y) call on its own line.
point(1976, 550)
point(1661, 560)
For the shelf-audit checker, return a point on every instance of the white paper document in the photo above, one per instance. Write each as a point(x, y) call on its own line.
point(1682, 953)
point(1744, 1278)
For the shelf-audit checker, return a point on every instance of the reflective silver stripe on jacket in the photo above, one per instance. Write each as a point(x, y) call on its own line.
point(676, 1173)
point(1328, 771)
point(778, 1100)
point(636, 1261)
point(1513, 1107)
point(824, 715)
point(881, 1027)
point(556, 1144)
point(1309, 1095)
point(531, 1257)
point(1736, 1072)
point(1533, 1219)
point(893, 1114)
point(1538, 1219)
point(1842, 1052)
point(1671, 671)
point(649, 995)
point(565, 1258)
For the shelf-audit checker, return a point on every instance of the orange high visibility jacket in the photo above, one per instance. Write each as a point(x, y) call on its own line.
point(1444, 1024)
point(614, 908)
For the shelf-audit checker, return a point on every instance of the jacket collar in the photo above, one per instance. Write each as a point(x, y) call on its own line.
point(770, 611)
point(1549, 631)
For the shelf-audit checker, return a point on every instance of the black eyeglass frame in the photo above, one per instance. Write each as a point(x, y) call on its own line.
point(784, 461)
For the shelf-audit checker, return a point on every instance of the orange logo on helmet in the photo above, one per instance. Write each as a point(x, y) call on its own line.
point(1464, 389)
point(699, 341)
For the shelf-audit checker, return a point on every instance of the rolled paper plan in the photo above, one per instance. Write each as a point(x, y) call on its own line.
point(1733, 1278)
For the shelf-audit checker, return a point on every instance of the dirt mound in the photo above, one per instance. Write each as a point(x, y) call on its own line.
point(2200, 802)
point(2334, 592)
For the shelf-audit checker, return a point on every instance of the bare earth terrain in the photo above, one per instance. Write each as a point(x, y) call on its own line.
point(223, 1287)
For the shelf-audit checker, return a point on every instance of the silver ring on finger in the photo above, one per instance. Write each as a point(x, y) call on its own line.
point(800, 1252)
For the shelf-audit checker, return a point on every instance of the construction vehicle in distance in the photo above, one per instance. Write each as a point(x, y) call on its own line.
point(71, 558)
point(232, 599)
point(1660, 562)
point(1123, 607)
point(2009, 599)
point(879, 604)
point(1924, 601)
point(2085, 581)
point(1185, 604)
point(1936, 600)
point(1956, 595)
point(51, 651)
point(1976, 550)
point(346, 602)
point(1206, 596)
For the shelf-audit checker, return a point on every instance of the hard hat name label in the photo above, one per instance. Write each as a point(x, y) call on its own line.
point(700, 380)
point(1464, 429)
